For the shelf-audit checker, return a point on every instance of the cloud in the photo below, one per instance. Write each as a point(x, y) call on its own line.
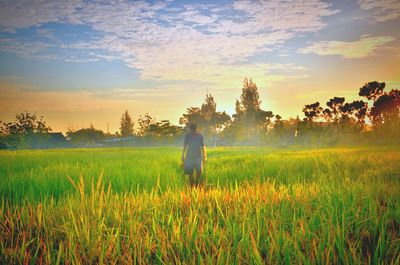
point(285, 15)
point(179, 50)
point(366, 46)
point(382, 10)
point(26, 48)
point(168, 41)
point(46, 33)
point(195, 16)
point(23, 14)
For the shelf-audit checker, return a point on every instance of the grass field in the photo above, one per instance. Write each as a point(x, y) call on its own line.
point(127, 206)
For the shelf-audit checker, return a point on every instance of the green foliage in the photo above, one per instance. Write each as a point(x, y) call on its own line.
point(154, 132)
point(372, 90)
point(313, 112)
point(250, 121)
point(385, 105)
point(86, 136)
point(386, 108)
point(127, 206)
point(350, 123)
point(25, 131)
point(337, 123)
point(249, 99)
point(127, 124)
point(207, 118)
point(144, 124)
point(163, 129)
point(284, 132)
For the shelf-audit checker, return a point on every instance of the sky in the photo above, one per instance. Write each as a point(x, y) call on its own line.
point(78, 62)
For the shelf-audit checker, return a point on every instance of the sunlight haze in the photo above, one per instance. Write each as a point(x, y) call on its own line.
point(81, 62)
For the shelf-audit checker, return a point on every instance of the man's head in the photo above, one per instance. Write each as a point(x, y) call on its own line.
point(193, 127)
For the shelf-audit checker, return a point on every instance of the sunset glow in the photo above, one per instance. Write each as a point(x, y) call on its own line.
point(81, 62)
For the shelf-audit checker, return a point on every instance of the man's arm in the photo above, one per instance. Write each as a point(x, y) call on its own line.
point(185, 145)
point(203, 149)
point(204, 153)
point(183, 152)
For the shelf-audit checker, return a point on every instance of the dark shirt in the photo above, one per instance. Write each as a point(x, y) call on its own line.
point(195, 143)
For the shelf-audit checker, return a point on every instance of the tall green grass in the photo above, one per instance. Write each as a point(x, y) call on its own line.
point(36, 174)
point(330, 206)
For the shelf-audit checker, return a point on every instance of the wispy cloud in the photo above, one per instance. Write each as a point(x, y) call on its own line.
point(194, 46)
point(166, 41)
point(382, 10)
point(23, 14)
point(46, 33)
point(176, 48)
point(285, 15)
point(26, 48)
point(366, 46)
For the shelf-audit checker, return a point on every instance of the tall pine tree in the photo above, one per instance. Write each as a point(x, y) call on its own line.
point(126, 125)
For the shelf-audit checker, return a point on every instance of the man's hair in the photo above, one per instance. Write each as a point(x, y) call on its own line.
point(192, 127)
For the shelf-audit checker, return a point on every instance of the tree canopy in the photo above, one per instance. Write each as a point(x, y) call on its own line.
point(338, 121)
point(127, 124)
point(88, 136)
point(207, 118)
point(22, 132)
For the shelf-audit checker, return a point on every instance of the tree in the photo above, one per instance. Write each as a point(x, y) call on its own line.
point(386, 108)
point(193, 115)
point(214, 120)
point(249, 120)
point(249, 99)
point(249, 103)
point(386, 105)
point(163, 128)
point(209, 107)
point(207, 118)
point(144, 124)
point(126, 125)
point(310, 131)
point(283, 131)
point(25, 123)
point(86, 136)
point(372, 90)
point(385, 111)
point(313, 112)
point(24, 131)
point(356, 111)
point(155, 132)
point(334, 113)
point(238, 110)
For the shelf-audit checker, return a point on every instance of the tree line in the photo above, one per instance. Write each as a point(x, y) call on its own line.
point(376, 118)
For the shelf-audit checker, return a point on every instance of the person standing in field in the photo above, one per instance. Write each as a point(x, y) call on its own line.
point(193, 155)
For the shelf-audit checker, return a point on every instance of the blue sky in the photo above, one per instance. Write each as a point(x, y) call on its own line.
point(80, 62)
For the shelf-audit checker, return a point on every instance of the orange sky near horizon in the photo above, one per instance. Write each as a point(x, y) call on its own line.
point(66, 62)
